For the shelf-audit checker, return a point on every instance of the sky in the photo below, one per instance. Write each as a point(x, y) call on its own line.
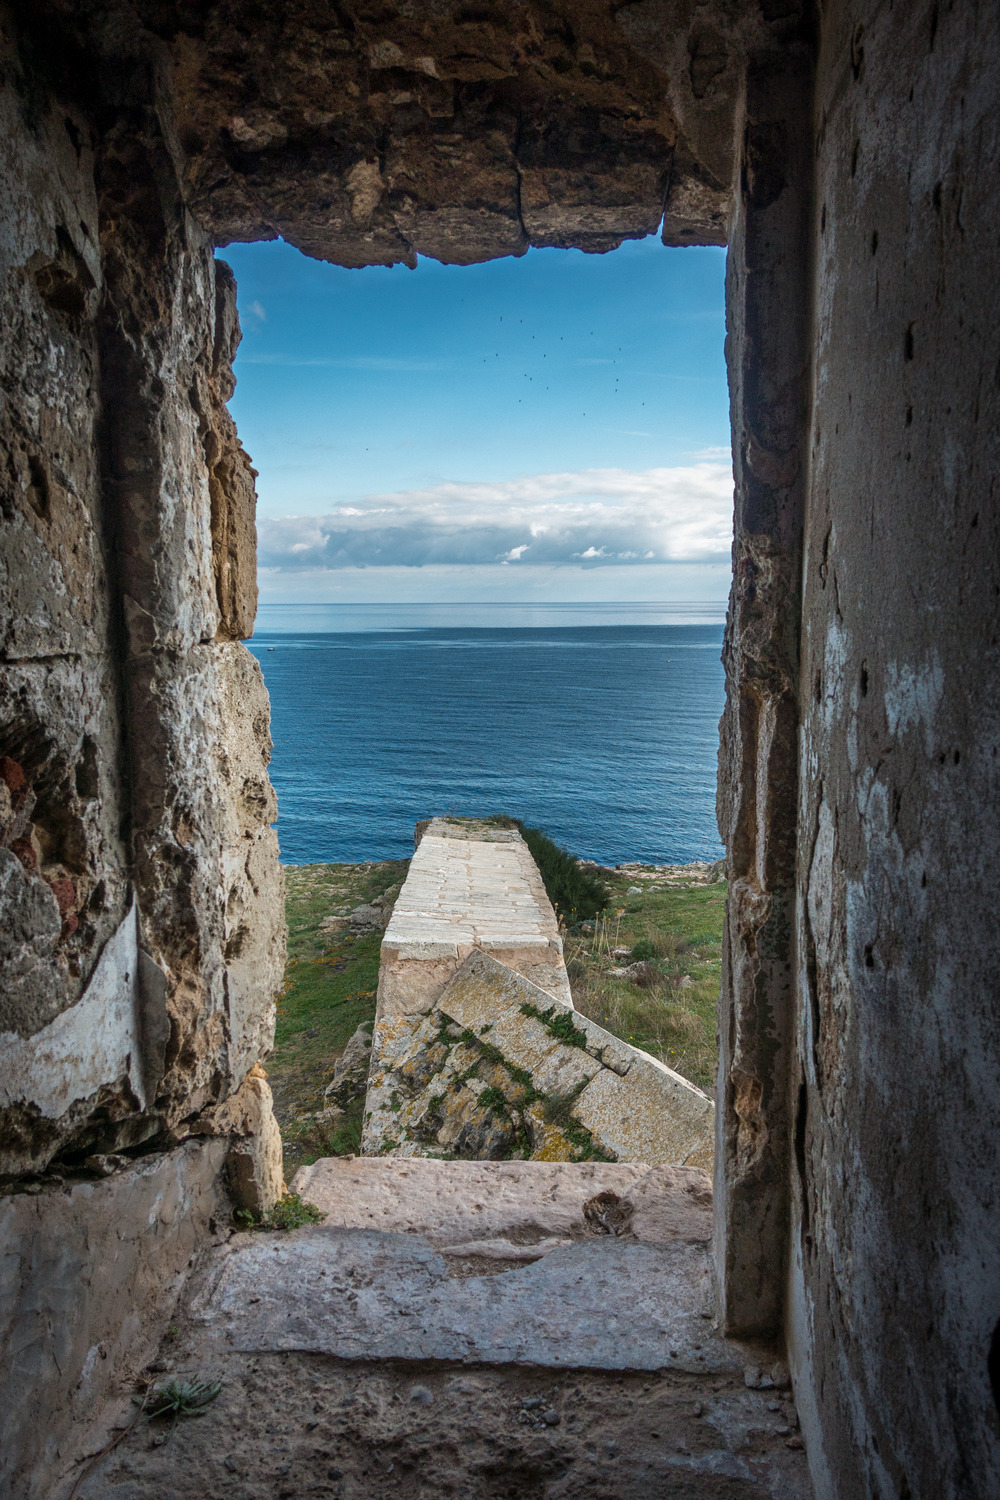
point(547, 428)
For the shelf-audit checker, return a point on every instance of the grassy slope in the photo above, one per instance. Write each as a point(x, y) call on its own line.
point(331, 980)
point(675, 1019)
point(329, 991)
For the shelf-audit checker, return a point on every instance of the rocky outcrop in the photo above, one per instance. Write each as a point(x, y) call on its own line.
point(350, 1073)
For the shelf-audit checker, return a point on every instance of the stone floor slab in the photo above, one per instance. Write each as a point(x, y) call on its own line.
point(366, 1294)
point(522, 1202)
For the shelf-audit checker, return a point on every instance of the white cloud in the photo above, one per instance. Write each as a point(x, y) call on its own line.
point(257, 308)
point(593, 517)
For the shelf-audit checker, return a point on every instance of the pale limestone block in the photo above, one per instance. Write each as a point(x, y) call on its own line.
point(652, 1115)
point(412, 986)
point(450, 1202)
point(671, 1203)
point(555, 1068)
point(605, 1303)
point(254, 1158)
point(482, 990)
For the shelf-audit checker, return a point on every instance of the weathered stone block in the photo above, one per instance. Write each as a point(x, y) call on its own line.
point(89, 1272)
point(254, 1159)
point(652, 1115)
point(52, 574)
point(65, 875)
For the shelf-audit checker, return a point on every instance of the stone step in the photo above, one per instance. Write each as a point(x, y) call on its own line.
point(372, 1356)
point(512, 1211)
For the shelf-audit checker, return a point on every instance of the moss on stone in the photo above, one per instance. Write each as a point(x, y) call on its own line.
point(558, 1023)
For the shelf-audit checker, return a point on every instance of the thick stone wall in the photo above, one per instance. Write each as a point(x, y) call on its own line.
point(140, 869)
point(895, 1274)
point(90, 1273)
point(767, 350)
point(141, 924)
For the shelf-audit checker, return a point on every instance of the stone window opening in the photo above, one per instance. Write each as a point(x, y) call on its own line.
point(843, 152)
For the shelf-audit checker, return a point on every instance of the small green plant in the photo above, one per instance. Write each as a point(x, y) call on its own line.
point(558, 1023)
point(288, 1213)
point(494, 1098)
point(177, 1398)
point(346, 1139)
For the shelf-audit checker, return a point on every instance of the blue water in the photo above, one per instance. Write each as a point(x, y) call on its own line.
point(597, 723)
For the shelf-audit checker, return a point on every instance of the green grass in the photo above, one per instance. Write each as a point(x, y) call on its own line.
point(329, 991)
point(574, 892)
point(678, 932)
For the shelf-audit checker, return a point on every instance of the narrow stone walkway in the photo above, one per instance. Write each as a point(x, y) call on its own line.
point(488, 1331)
point(469, 886)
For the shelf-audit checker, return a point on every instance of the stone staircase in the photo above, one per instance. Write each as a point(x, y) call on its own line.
point(510, 1294)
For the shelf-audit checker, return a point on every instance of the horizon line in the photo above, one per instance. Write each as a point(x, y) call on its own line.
point(519, 603)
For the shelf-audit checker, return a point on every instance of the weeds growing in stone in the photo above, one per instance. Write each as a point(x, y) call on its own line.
point(290, 1212)
point(177, 1398)
point(559, 1023)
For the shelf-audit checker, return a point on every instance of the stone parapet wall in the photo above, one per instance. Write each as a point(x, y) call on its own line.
point(500, 1069)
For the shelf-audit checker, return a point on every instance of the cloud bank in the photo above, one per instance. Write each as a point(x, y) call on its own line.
point(590, 518)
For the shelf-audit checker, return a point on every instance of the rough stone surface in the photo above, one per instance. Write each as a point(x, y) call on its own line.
point(350, 1073)
point(491, 1385)
point(477, 1051)
point(90, 1271)
point(508, 1209)
point(856, 149)
point(604, 1304)
point(291, 1424)
point(897, 1043)
point(372, 135)
point(768, 279)
point(254, 1159)
point(141, 933)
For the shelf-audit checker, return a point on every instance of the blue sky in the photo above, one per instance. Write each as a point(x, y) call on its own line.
point(553, 427)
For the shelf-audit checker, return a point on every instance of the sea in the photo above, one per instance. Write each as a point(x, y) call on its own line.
point(596, 723)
